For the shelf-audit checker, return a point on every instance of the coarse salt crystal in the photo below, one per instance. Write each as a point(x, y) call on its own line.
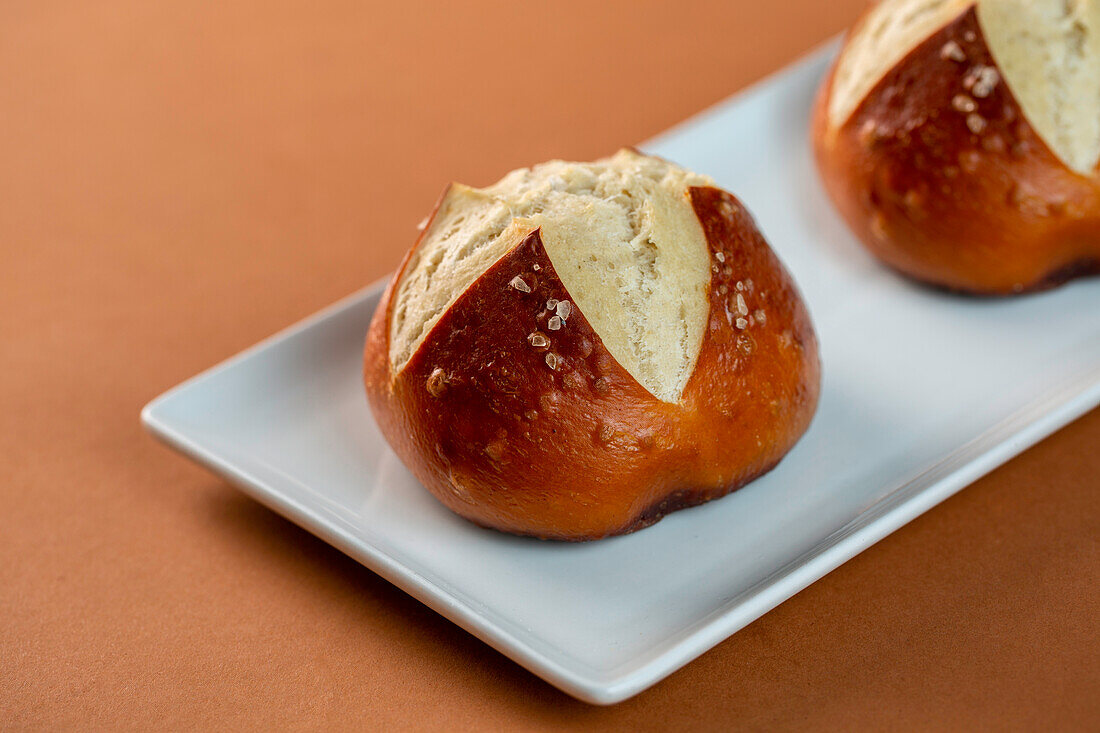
point(963, 103)
point(519, 284)
point(953, 51)
point(993, 143)
point(986, 81)
point(869, 133)
point(742, 307)
point(437, 382)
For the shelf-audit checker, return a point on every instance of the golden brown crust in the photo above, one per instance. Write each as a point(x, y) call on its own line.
point(582, 451)
point(951, 185)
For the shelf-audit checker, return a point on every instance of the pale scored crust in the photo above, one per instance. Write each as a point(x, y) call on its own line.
point(622, 236)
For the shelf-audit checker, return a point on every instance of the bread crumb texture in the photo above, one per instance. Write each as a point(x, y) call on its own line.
point(622, 236)
point(1049, 55)
point(1047, 51)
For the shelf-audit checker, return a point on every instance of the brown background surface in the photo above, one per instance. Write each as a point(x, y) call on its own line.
point(178, 180)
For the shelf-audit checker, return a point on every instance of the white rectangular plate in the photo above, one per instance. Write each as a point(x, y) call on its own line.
point(923, 392)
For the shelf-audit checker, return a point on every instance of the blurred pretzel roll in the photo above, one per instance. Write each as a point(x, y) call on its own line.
point(960, 140)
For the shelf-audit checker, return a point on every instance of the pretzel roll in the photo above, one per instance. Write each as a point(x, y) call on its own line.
point(960, 140)
point(581, 348)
